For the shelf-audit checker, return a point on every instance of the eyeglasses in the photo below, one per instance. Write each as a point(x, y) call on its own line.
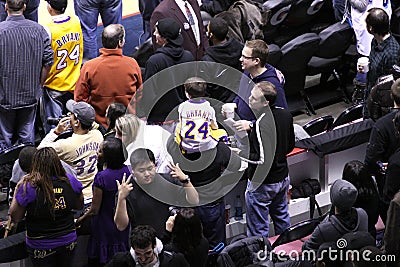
point(246, 57)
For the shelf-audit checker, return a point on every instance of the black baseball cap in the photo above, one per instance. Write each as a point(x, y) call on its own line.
point(59, 5)
point(170, 29)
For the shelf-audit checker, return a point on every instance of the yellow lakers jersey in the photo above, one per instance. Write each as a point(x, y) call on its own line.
point(67, 44)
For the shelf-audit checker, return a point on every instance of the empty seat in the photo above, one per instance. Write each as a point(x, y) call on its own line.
point(319, 125)
point(296, 232)
point(334, 41)
point(348, 115)
point(274, 54)
point(295, 56)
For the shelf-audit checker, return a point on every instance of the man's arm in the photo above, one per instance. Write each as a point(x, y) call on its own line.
point(191, 193)
point(48, 140)
point(44, 73)
point(82, 88)
point(121, 218)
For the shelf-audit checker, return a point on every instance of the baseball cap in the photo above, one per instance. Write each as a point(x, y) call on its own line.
point(83, 111)
point(170, 29)
point(343, 194)
point(59, 5)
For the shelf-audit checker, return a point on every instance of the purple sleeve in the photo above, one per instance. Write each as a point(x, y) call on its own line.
point(76, 185)
point(98, 180)
point(24, 198)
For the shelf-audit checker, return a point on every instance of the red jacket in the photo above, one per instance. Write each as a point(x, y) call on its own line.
point(109, 78)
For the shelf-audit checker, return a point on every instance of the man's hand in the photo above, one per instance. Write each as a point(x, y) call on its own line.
point(169, 224)
point(176, 171)
point(63, 125)
point(235, 150)
point(124, 187)
point(242, 125)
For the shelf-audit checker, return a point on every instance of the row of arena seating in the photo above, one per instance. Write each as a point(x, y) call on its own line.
point(328, 122)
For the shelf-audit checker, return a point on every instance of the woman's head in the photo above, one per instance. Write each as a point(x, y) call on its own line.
point(356, 173)
point(113, 112)
point(45, 166)
point(187, 231)
point(47, 163)
point(113, 154)
point(127, 128)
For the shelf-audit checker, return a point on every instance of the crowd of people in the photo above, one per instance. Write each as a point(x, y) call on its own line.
point(147, 159)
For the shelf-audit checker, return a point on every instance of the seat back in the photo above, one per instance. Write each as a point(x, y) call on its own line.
point(348, 115)
point(278, 11)
point(302, 11)
point(295, 56)
point(274, 54)
point(335, 40)
point(296, 232)
point(319, 125)
point(11, 154)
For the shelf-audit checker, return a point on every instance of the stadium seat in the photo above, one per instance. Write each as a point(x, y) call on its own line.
point(348, 115)
point(319, 125)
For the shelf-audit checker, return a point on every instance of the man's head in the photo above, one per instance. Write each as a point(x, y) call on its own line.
point(217, 30)
point(143, 242)
point(143, 165)
point(82, 115)
point(377, 22)
point(113, 36)
point(15, 7)
point(57, 6)
point(25, 158)
point(262, 95)
point(343, 195)
point(395, 92)
point(195, 87)
point(168, 31)
point(254, 54)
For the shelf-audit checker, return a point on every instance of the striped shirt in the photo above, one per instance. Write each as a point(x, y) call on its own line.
point(24, 50)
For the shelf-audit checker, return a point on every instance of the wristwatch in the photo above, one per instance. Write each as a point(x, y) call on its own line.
point(251, 125)
point(186, 181)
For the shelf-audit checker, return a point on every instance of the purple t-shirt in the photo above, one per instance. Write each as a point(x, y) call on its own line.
point(29, 196)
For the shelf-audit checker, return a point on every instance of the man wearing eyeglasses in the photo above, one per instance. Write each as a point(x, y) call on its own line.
point(80, 149)
point(256, 69)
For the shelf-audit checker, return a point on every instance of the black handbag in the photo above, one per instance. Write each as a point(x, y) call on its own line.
point(308, 188)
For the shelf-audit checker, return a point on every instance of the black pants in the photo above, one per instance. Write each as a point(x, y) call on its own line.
point(56, 257)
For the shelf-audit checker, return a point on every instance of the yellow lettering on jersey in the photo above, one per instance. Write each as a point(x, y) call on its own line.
point(58, 190)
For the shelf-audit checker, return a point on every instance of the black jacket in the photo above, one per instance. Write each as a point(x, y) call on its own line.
point(228, 54)
point(264, 165)
point(163, 85)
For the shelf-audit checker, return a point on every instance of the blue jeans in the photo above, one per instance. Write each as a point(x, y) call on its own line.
point(88, 12)
point(212, 217)
point(267, 199)
point(53, 105)
point(31, 11)
point(17, 125)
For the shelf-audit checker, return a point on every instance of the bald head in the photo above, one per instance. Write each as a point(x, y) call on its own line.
point(15, 6)
point(113, 36)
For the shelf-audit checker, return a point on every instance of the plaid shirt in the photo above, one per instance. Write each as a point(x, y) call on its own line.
point(382, 57)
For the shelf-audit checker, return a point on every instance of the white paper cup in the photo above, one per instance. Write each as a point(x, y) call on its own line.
point(363, 63)
point(229, 110)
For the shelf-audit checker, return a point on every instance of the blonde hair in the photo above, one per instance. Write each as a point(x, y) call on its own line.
point(127, 127)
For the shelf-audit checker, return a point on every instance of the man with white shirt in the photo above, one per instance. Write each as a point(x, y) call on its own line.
point(67, 44)
point(187, 14)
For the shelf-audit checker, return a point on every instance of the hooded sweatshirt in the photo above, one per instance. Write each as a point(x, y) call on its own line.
point(245, 87)
point(165, 57)
point(333, 227)
point(228, 54)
